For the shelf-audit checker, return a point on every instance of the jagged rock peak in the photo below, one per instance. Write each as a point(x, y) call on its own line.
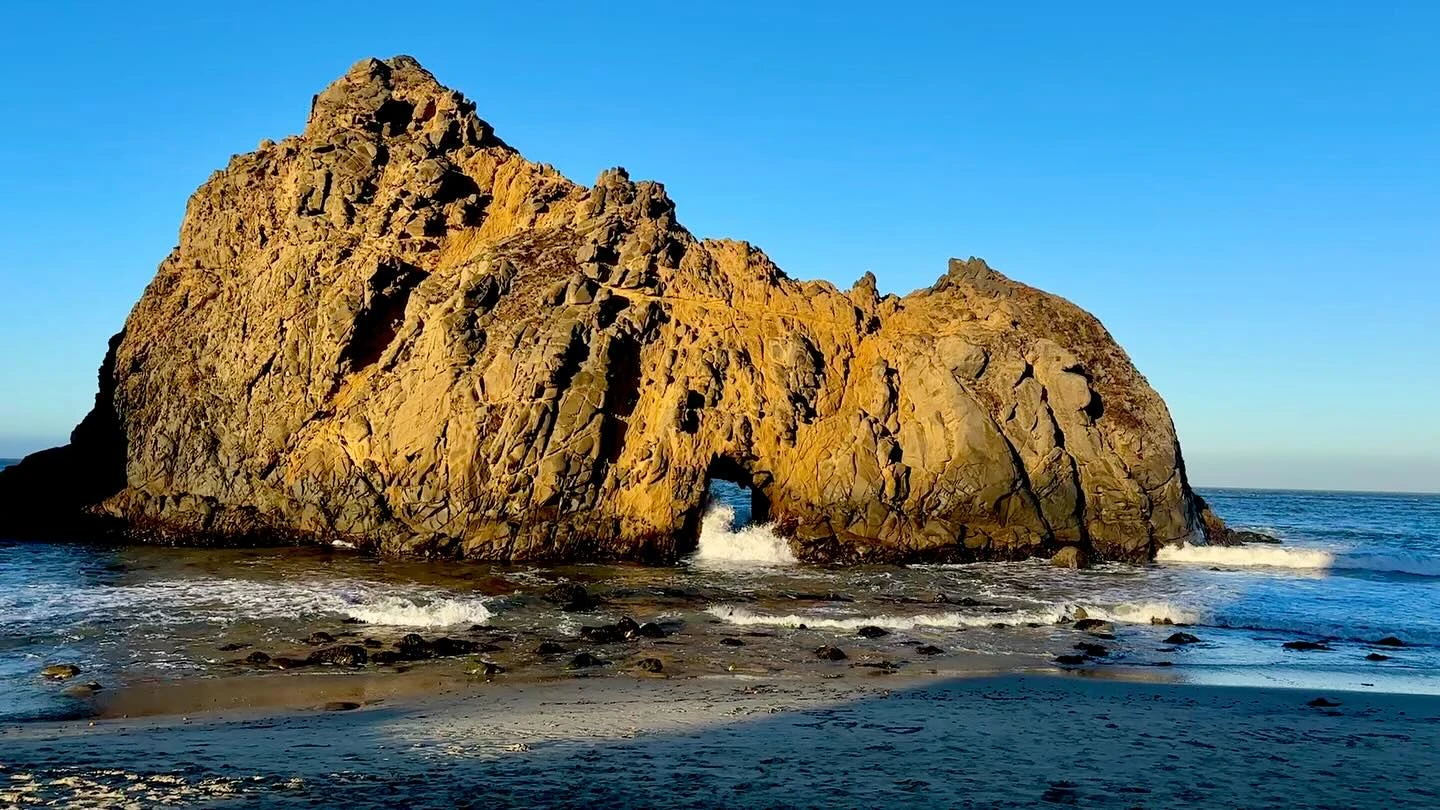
point(394, 329)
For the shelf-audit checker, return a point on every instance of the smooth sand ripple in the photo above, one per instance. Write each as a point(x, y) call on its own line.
point(1003, 741)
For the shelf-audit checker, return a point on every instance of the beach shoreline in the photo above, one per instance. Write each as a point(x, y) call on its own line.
point(727, 740)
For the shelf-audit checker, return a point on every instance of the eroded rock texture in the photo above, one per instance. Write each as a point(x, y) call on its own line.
point(395, 330)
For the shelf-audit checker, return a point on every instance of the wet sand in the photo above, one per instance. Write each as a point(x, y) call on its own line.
point(754, 741)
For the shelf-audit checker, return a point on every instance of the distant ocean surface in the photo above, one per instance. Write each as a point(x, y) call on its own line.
point(1352, 568)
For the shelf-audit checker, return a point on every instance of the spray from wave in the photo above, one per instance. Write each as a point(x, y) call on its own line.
point(1299, 558)
point(724, 545)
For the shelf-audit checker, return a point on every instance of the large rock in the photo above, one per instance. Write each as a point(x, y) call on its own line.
point(396, 331)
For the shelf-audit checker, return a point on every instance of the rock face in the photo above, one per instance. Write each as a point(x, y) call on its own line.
point(394, 330)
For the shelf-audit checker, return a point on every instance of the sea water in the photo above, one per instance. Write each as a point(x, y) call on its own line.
point(1350, 569)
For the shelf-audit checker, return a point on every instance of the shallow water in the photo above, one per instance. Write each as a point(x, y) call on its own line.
point(1352, 568)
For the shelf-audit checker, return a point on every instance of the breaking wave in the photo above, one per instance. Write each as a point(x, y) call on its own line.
point(401, 612)
point(1146, 613)
point(722, 544)
point(1300, 558)
point(224, 601)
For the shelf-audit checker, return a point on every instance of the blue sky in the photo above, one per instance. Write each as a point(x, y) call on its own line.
point(1248, 195)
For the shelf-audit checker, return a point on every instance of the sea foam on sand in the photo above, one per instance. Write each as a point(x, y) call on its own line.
point(891, 742)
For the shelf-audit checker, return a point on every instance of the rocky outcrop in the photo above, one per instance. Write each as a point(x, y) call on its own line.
point(394, 330)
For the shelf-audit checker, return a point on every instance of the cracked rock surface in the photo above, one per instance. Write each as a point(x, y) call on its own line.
point(396, 331)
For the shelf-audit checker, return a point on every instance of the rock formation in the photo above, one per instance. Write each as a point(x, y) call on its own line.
point(396, 331)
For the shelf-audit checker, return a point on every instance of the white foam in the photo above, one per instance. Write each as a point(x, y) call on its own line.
point(1127, 613)
point(721, 544)
point(1299, 558)
point(1244, 556)
point(223, 601)
point(400, 612)
point(1141, 613)
point(735, 614)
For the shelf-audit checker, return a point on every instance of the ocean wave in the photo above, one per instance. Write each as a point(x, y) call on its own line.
point(1126, 613)
point(753, 545)
point(400, 612)
point(1142, 613)
point(950, 619)
point(224, 601)
point(1300, 558)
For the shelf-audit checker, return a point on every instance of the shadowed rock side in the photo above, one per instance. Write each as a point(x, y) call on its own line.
point(395, 330)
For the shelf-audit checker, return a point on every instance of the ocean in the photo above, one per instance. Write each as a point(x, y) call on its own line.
point(1350, 570)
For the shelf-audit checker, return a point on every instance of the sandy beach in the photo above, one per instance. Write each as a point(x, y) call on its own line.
point(726, 741)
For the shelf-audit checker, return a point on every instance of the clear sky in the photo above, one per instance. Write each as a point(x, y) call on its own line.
point(1247, 194)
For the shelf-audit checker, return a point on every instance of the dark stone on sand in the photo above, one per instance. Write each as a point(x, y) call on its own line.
point(1377, 657)
point(414, 647)
point(1070, 660)
point(571, 597)
point(603, 634)
point(1389, 641)
point(284, 662)
point(83, 690)
point(650, 630)
point(1092, 650)
point(1323, 703)
point(60, 672)
point(871, 631)
point(1182, 638)
point(624, 630)
point(650, 665)
point(346, 655)
point(584, 661)
point(549, 648)
point(385, 657)
point(929, 649)
point(829, 653)
point(1091, 625)
point(373, 643)
point(232, 647)
point(257, 657)
point(1305, 646)
point(451, 647)
point(732, 642)
point(320, 637)
point(341, 706)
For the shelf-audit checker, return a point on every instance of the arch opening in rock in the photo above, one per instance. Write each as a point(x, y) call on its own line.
point(730, 484)
point(731, 522)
